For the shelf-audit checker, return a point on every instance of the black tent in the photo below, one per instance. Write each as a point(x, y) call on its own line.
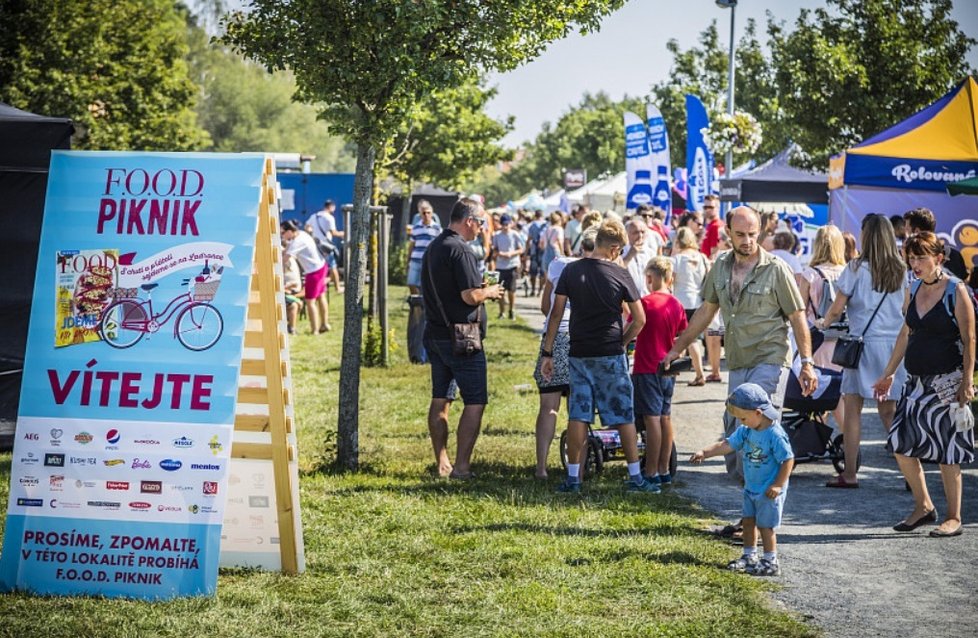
point(776, 181)
point(26, 141)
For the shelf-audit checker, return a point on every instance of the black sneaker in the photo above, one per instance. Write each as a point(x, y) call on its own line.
point(765, 567)
point(569, 487)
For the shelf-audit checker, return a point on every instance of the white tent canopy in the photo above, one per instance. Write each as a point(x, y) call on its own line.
point(578, 196)
point(610, 194)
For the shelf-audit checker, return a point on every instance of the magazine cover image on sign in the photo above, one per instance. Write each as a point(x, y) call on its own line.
point(85, 283)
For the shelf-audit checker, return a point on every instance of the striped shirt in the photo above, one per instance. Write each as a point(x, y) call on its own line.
point(422, 235)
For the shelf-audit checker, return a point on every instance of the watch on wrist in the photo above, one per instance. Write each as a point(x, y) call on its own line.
point(808, 361)
point(547, 353)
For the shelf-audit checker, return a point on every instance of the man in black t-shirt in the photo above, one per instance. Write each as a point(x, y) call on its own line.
point(452, 288)
point(922, 219)
point(599, 380)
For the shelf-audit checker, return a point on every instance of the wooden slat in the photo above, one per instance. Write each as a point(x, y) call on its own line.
point(251, 422)
point(253, 339)
point(254, 310)
point(260, 451)
point(257, 396)
point(253, 367)
point(257, 423)
point(256, 368)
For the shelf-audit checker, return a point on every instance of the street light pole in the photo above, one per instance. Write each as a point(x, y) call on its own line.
point(732, 5)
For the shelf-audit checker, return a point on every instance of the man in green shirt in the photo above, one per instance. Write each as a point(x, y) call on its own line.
point(757, 295)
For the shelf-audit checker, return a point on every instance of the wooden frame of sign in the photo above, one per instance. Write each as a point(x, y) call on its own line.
point(265, 330)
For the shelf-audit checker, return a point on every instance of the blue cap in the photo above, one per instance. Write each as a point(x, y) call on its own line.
point(750, 396)
point(505, 219)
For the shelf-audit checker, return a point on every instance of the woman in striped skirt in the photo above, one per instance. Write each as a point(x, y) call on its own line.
point(938, 339)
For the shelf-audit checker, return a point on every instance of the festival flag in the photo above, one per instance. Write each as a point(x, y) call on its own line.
point(638, 162)
point(659, 152)
point(699, 160)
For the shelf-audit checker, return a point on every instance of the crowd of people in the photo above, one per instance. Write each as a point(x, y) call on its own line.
point(671, 284)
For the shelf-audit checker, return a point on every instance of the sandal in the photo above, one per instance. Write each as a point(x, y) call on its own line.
point(698, 381)
point(841, 482)
point(714, 378)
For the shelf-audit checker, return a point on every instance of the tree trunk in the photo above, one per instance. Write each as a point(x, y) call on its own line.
point(348, 439)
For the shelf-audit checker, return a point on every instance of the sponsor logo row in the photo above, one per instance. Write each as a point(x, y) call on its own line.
point(56, 483)
point(56, 437)
point(132, 506)
point(61, 459)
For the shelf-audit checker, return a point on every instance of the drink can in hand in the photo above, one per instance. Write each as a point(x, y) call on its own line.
point(491, 277)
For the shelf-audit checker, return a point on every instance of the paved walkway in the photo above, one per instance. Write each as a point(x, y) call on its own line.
point(843, 566)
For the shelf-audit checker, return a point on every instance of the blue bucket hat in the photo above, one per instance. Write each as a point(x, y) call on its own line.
point(750, 396)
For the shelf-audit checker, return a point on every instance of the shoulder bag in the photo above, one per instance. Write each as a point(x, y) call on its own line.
point(849, 348)
point(466, 337)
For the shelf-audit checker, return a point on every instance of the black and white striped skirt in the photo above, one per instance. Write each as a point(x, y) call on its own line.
point(923, 428)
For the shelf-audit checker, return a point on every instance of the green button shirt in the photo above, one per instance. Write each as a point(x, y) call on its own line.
point(756, 329)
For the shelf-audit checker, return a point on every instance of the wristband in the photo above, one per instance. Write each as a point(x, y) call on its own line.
point(547, 353)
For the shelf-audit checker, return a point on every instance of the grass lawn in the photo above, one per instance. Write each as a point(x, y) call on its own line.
point(392, 551)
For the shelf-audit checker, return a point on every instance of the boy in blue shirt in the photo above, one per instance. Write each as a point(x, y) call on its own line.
point(768, 460)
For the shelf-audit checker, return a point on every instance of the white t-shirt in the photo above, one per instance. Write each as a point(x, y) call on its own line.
point(553, 274)
point(303, 248)
point(689, 272)
point(323, 224)
point(636, 267)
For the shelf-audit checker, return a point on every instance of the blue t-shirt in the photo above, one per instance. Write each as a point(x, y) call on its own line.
point(763, 452)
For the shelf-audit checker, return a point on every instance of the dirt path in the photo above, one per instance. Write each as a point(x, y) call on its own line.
point(843, 566)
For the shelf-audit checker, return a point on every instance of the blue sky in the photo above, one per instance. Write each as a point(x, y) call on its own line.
point(628, 55)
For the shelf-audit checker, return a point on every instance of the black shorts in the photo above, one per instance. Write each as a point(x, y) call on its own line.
point(507, 279)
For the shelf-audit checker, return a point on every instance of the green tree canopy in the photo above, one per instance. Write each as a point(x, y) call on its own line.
point(447, 139)
point(861, 66)
point(702, 70)
point(367, 64)
point(244, 108)
point(117, 68)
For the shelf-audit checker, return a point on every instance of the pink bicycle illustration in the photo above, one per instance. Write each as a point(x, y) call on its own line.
point(198, 324)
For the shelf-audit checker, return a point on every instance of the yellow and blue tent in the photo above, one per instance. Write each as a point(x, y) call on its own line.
point(928, 150)
point(911, 164)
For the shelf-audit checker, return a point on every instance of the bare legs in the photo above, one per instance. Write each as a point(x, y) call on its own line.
point(438, 432)
point(697, 356)
point(852, 428)
point(713, 348)
point(913, 471)
point(312, 309)
point(469, 424)
point(769, 539)
point(545, 428)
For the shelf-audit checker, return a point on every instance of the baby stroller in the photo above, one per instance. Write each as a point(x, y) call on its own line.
point(603, 445)
point(803, 418)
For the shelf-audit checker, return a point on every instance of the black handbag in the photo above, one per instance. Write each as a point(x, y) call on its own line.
point(849, 348)
point(466, 337)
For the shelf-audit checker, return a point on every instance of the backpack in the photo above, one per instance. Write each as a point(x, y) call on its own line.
point(950, 296)
point(828, 295)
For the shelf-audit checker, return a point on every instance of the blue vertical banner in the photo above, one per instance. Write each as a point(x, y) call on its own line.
point(638, 163)
point(119, 472)
point(699, 159)
point(659, 151)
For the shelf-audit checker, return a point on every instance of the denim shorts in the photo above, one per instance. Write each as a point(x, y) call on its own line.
point(765, 511)
point(602, 385)
point(414, 274)
point(653, 394)
point(448, 371)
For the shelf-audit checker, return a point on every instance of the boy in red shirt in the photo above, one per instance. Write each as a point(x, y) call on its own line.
point(665, 319)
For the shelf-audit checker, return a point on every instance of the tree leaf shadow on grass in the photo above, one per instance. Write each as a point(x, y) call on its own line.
point(663, 558)
point(581, 532)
